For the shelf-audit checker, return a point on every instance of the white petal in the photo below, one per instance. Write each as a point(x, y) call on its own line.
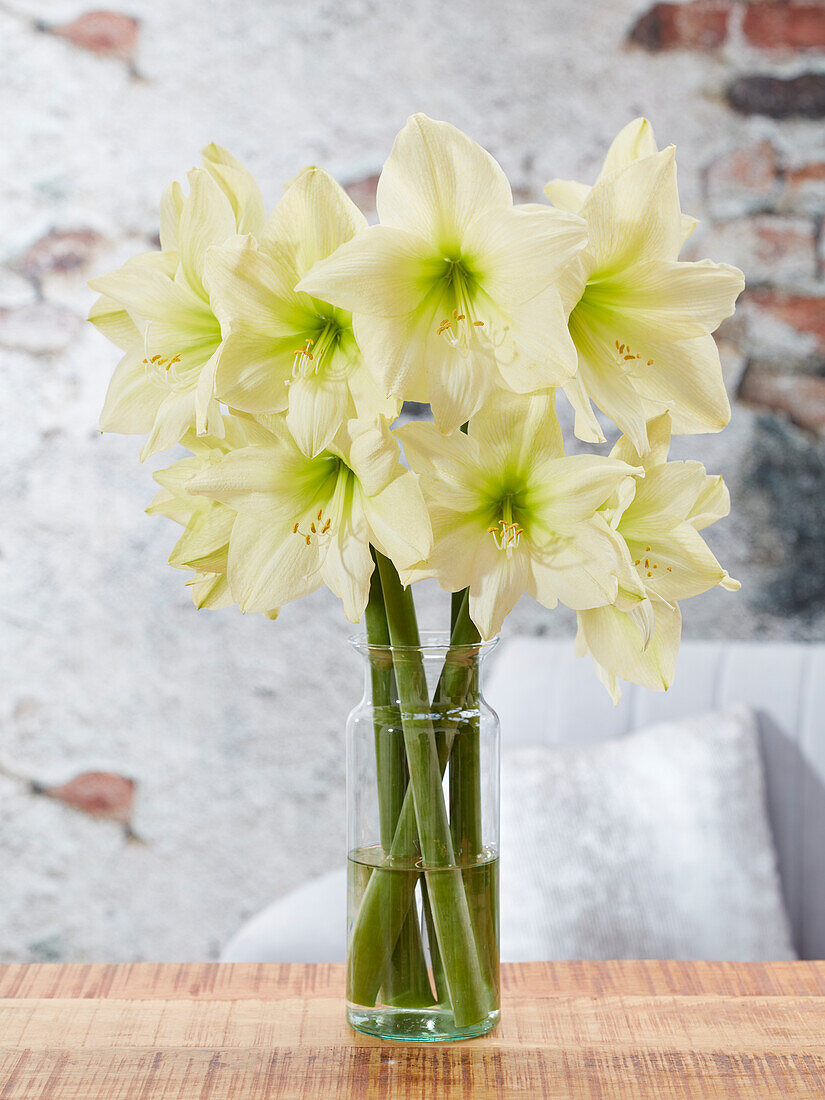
point(133, 399)
point(634, 214)
point(253, 371)
point(206, 219)
point(498, 584)
point(667, 300)
point(448, 464)
point(567, 194)
point(175, 417)
point(399, 523)
point(383, 271)
point(616, 644)
point(518, 253)
point(436, 180)
point(269, 566)
point(687, 379)
point(633, 141)
point(371, 452)
point(314, 217)
point(239, 186)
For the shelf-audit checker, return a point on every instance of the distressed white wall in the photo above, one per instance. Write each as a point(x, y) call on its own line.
point(232, 728)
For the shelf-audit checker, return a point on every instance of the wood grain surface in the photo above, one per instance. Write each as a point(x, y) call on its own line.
point(620, 1029)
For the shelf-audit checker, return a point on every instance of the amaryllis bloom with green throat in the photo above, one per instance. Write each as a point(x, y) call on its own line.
point(659, 526)
point(454, 292)
point(278, 353)
point(640, 318)
point(157, 309)
point(305, 522)
point(284, 349)
point(511, 514)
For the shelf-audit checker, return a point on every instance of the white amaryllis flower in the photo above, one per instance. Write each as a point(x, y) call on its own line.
point(157, 309)
point(640, 319)
point(283, 348)
point(303, 522)
point(660, 530)
point(454, 291)
point(204, 545)
point(633, 141)
point(511, 514)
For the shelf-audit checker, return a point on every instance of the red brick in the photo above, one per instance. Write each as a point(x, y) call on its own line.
point(700, 25)
point(784, 26)
point(767, 247)
point(800, 398)
point(109, 33)
point(99, 794)
point(805, 189)
point(805, 313)
point(744, 179)
point(60, 251)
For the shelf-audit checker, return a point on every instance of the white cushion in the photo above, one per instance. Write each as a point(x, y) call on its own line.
point(652, 845)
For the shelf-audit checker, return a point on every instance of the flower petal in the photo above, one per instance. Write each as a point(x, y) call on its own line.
point(269, 566)
point(383, 271)
point(399, 522)
point(318, 405)
point(633, 213)
point(204, 544)
point(346, 563)
point(633, 142)
point(713, 503)
point(313, 219)
point(253, 371)
point(206, 219)
point(371, 451)
point(239, 186)
point(437, 179)
point(498, 584)
point(517, 253)
point(616, 644)
point(254, 289)
point(668, 300)
point(567, 194)
point(133, 399)
point(448, 465)
point(542, 353)
point(687, 379)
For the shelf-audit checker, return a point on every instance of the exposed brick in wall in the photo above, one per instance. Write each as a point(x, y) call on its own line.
point(779, 97)
point(698, 25)
point(709, 25)
point(785, 26)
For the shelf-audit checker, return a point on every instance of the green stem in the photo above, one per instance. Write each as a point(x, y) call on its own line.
point(388, 895)
point(406, 981)
point(463, 973)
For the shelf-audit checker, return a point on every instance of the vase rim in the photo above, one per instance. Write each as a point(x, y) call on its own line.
point(434, 643)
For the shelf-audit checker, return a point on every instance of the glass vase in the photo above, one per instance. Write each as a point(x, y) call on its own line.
point(423, 820)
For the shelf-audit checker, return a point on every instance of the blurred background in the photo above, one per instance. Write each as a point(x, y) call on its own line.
point(164, 773)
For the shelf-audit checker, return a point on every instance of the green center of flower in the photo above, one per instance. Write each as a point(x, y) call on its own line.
point(461, 328)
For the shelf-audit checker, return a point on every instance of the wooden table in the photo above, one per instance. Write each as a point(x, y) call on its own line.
point(618, 1029)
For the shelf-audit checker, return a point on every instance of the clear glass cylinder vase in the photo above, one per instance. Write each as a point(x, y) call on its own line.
point(423, 840)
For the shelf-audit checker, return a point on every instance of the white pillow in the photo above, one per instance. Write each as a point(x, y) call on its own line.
point(653, 845)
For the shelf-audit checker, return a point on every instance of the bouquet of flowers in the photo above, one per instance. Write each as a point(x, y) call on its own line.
point(278, 351)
